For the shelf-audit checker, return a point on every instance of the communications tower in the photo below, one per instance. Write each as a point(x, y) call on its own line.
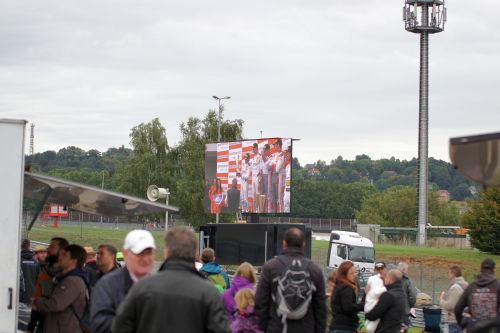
point(423, 17)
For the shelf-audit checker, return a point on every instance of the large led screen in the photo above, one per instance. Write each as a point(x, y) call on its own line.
point(250, 176)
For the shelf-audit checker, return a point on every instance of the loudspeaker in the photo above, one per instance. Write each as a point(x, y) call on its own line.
point(154, 192)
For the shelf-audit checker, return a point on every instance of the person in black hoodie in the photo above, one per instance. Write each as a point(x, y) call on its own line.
point(344, 306)
point(481, 296)
point(30, 269)
point(266, 306)
point(390, 307)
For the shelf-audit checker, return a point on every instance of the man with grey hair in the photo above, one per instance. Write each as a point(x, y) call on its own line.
point(390, 307)
point(409, 291)
point(177, 299)
point(139, 253)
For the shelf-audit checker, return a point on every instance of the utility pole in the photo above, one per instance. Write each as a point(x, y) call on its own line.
point(218, 136)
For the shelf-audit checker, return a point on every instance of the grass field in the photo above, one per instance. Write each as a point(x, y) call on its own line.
point(91, 236)
point(439, 258)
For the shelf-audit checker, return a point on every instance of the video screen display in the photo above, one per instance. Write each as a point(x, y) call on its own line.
point(249, 176)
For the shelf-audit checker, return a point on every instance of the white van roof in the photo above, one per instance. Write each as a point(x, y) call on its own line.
point(350, 238)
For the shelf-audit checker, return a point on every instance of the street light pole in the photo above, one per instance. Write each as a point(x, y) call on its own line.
point(218, 118)
point(166, 213)
point(419, 19)
point(102, 186)
point(218, 136)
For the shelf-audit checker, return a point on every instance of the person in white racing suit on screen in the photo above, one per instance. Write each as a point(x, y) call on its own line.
point(255, 169)
point(277, 163)
point(245, 176)
point(265, 183)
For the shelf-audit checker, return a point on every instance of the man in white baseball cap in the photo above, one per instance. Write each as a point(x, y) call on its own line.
point(138, 253)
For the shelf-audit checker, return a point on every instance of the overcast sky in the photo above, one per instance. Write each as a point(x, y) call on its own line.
point(342, 76)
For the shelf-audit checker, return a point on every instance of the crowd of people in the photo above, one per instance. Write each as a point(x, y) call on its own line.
point(73, 289)
point(264, 178)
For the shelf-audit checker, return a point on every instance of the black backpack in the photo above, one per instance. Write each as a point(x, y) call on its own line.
point(294, 289)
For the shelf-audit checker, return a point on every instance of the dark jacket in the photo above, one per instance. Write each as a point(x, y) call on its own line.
point(390, 309)
point(177, 299)
point(30, 268)
point(344, 308)
point(479, 297)
point(93, 271)
point(233, 200)
point(410, 293)
point(107, 295)
point(68, 298)
point(265, 308)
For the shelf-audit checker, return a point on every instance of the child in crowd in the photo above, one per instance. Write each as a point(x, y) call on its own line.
point(246, 320)
point(243, 278)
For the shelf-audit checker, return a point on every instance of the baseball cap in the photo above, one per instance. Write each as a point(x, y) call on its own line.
point(488, 264)
point(380, 265)
point(139, 240)
point(40, 248)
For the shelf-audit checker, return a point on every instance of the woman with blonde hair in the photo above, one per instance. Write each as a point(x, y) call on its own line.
point(243, 278)
point(344, 307)
point(246, 320)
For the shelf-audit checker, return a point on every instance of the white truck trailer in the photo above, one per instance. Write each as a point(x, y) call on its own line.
point(347, 245)
point(11, 197)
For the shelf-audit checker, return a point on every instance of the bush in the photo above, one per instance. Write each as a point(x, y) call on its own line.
point(483, 222)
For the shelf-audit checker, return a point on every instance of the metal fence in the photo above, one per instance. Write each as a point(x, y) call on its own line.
point(79, 218)
point(316, 224)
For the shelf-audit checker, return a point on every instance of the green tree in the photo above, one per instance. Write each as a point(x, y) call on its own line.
point(483, 221)
point(397, 207)
point(442, 213)
point(334, 174)
point(387, 181)
point(189, 157)
point(460, 192)
point(149, 163)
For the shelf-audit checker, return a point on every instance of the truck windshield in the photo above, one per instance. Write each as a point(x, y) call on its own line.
point(361, 254)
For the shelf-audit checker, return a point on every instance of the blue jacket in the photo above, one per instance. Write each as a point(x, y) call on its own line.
point(213, 268)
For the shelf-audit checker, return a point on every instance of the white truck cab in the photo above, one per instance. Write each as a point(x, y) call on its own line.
point(347, 245)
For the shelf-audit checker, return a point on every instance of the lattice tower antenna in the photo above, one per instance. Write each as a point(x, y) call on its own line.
point(32, 140)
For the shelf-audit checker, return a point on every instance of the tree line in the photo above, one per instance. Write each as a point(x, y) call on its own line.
point(373, 191)
point(386, 173)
